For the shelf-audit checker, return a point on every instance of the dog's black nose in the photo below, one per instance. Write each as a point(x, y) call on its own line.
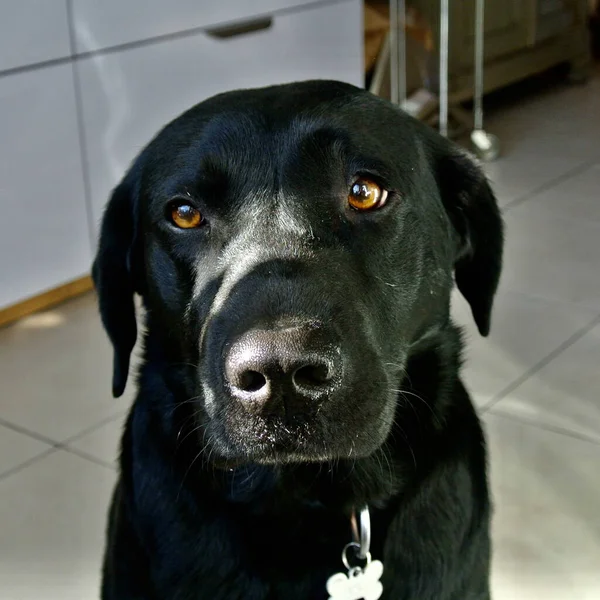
point(282, 371)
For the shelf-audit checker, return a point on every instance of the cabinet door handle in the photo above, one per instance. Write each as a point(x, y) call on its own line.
point(237, 29)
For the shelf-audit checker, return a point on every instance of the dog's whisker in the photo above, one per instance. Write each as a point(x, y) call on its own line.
point(184, 364)
point(191, 432)
point(388, 283)
point(397, 425)
point(198, 455)
point(389, 465)
point(180, 403)
point(405, 393)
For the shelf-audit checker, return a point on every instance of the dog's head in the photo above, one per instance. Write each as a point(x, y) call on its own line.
point(295, 244)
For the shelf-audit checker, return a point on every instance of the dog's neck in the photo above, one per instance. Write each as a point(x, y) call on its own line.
point(414, 444)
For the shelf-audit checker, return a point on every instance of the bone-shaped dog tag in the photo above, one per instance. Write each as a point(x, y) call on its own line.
point(359, 584)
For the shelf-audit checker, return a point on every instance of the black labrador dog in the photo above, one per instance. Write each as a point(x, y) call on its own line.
point(295, 248)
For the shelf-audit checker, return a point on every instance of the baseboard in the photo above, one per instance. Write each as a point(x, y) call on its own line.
point(45, 300)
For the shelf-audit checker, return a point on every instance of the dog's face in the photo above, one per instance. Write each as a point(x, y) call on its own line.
point(294, 245)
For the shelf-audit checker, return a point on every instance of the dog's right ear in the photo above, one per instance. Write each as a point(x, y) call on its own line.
point(114, 274)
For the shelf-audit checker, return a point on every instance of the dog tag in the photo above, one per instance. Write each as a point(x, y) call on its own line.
point(359, 584)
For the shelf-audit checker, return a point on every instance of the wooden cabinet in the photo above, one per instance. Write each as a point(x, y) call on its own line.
point(522, 37)
point(507, 29)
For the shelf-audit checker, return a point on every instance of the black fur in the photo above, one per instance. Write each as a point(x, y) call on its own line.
point(216, 503)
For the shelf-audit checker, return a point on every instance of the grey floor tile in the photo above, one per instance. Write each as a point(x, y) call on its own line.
point(546, 527)
point(524, 331)
point(52, 522)
point(577, 197)
point(516, 177)
point(552, 257)
point(55, 371)
point(565, 393)
point(559, 120)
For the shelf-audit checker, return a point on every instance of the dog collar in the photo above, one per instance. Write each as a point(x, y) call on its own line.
point(362, 580)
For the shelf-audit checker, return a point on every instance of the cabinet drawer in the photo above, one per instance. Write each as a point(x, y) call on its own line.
point(129, 95)
point(44, 234)
point(105, 23)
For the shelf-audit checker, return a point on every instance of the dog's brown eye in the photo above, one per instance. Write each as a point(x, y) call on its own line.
point(366, 195)
point(185, 216)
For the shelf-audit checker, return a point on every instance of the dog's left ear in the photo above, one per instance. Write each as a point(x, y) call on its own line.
point(115, 274)
point(473, 210)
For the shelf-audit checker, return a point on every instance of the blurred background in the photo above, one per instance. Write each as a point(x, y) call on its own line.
point(85, 84)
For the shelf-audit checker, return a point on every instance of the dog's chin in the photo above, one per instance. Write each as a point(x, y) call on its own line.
point(285, 444)
point(277, 454)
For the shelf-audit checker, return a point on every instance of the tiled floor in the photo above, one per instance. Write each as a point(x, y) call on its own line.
point(536, 381)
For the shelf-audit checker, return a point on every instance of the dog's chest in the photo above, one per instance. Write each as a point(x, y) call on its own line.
point(276, 574)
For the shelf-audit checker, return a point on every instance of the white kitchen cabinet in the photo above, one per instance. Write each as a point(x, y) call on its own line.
point(44, 233)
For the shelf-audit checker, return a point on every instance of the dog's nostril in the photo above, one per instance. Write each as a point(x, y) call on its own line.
point(251, 381)
point(311, 376)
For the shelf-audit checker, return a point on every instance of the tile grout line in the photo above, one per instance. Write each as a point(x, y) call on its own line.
point(540, 364)
point(49, 452)
point(92, 428)
point(582, 168)
point(89, 457)
point(81, 135)
point(54, 446)
point(555, 302)
point(64, 444)
point(21, 466)
point(549, 428)
point(29, 433)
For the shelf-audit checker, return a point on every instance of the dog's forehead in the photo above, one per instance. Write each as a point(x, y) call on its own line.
point(263, 127)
